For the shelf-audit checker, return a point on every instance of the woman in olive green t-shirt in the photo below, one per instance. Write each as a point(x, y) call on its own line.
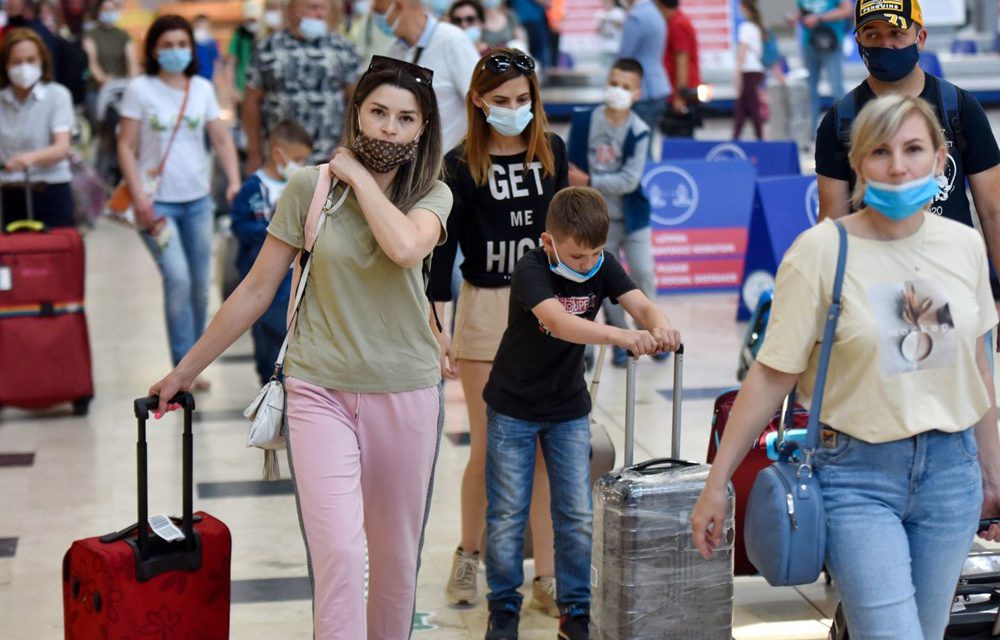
point(362, 368)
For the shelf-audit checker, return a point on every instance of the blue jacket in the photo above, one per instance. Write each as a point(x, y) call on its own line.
point(636, 204)
point(248, 214)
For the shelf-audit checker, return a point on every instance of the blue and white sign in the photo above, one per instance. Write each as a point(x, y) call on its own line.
point(784, 208)
point(777, 158)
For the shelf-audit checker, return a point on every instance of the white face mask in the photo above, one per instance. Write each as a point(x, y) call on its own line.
point(273, 19)
point(24, 76)
point(618, 98)
point(202, 35)
point(286, 170)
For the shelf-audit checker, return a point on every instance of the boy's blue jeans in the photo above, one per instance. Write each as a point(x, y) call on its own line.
point(185, 264)
point(510, 467)
point(901, 517)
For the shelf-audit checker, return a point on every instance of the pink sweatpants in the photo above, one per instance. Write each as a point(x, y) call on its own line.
point(362, 463)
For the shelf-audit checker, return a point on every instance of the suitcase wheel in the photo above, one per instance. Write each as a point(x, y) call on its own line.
point(81, 406)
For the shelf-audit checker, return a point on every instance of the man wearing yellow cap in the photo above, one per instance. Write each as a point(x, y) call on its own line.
point(890, 36)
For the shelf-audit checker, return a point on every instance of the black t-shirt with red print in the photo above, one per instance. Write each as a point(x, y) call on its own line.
point(536, 376)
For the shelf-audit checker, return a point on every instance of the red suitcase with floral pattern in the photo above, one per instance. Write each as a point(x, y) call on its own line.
point(133, 584)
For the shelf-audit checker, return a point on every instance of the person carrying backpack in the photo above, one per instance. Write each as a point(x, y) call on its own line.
point(890, 41)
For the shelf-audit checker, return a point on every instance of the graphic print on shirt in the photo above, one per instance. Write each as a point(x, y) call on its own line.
point(605, 154)
point(583, 306)
point(519, 183)
point(947, 179)
point(916, 329)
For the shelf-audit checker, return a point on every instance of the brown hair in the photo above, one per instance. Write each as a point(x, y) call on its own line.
point(291, 132)
point(477, 154)
point(580, 212)
point(15, 37)
point(416, 178)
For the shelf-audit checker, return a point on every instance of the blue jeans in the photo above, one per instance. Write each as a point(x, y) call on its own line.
point(901, 517)
point(650, 110)
point(816, 62)
point(510, 467)
point(185, 264)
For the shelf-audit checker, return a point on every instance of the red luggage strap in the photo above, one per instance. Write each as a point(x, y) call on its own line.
point(41, 309)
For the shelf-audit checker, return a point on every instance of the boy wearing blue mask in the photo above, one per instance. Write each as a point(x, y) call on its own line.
point(290, 146)
point(536, 392)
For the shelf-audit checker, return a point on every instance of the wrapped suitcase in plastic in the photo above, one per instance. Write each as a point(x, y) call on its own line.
point(648, 581)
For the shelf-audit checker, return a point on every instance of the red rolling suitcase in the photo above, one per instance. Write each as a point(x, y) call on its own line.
point(44, 344)
point(755, 461)
point(133, 584)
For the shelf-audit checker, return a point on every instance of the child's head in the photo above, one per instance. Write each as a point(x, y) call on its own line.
point(624, 80)
point(576, 228)
point(290, 148)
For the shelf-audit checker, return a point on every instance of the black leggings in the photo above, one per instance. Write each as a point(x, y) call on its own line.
point(53, 204)
point(749, 104)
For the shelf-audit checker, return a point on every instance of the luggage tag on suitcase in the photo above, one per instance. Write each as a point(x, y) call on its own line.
point(163, 527)
point(6, 281)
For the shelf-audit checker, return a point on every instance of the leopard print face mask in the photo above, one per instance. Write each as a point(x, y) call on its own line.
point(382, 156)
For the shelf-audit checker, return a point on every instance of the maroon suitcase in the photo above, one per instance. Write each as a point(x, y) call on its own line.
point(134, 584)
point(755, 461)
point(44, 344)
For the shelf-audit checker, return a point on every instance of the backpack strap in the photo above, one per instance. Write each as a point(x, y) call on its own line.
point(579, 139)
point(844, 112)
point(950, 112)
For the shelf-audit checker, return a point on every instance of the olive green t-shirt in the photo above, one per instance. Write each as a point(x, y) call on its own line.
point(363, 324)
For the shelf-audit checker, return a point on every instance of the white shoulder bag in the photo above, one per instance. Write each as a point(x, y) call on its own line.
point(267, 411)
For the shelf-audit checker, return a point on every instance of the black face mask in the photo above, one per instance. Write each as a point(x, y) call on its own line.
point(890, 65)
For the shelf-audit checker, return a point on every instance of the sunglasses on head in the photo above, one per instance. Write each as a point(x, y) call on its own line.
point(421, 75)
point(502, 62)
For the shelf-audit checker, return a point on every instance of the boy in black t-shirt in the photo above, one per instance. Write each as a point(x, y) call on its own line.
point(537, 391)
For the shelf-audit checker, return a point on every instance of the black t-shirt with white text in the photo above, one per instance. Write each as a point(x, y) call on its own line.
point(980, 153)
point(536, 376)
point(495, 223)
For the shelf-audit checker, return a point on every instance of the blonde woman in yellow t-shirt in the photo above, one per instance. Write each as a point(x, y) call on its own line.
point(909, 456)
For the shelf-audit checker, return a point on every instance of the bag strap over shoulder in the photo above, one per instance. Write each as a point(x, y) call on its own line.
point(832, 315)
point(319, 206)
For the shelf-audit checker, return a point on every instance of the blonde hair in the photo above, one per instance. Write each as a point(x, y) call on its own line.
point(877, 123)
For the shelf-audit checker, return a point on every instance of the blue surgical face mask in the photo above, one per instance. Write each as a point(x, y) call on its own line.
point(474, 33)
point(109, 17)
point(571, 274)
point(890, 65)
point(174, 60)
point(382, 24)
point(900, 201)
point(510, 122)
point(312, 28)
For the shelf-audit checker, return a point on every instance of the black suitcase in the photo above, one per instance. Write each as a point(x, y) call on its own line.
point(648, 582)
point(975, 610)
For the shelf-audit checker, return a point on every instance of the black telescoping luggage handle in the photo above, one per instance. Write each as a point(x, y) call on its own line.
point(29, 203)
point(675, 438)
point(154, 559)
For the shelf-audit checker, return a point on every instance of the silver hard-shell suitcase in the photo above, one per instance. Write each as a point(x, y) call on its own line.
point(648, 581)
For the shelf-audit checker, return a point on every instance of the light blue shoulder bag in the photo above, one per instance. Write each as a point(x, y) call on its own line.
point(785, 529)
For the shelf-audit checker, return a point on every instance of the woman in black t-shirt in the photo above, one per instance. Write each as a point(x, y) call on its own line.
point(502, 177)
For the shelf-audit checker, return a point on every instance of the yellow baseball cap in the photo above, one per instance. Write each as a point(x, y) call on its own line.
point(900, 13)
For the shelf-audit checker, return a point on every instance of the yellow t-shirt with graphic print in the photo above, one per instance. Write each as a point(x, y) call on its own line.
point(363, 324)
point(904, 355)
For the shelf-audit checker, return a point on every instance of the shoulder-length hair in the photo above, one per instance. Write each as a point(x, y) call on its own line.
point(15, 37)
point(477, 139)
point(877, 123)
point(416, 178)
point(160, 26)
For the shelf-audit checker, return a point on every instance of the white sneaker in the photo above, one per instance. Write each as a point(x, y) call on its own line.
point(543, 596)
point(461, 588)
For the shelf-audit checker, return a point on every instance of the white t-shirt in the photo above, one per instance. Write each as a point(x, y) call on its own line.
point(749, 34)
point(155, 105)
point(452, 57)
point(904, 353)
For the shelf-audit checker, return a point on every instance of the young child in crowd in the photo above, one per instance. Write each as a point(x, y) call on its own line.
point(289, 148)
point(536, 390)
point(608, 149)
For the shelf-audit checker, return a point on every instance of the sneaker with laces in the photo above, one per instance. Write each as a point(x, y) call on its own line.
point(461, 588)
point(502, 624)
point(543, 596)
point(574, 627)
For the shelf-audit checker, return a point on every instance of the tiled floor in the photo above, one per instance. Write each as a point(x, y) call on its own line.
point(63, 478)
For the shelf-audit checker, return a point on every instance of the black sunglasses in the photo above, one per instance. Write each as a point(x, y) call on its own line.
point(464, 20)
point(421, 75)
point(502, 62)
